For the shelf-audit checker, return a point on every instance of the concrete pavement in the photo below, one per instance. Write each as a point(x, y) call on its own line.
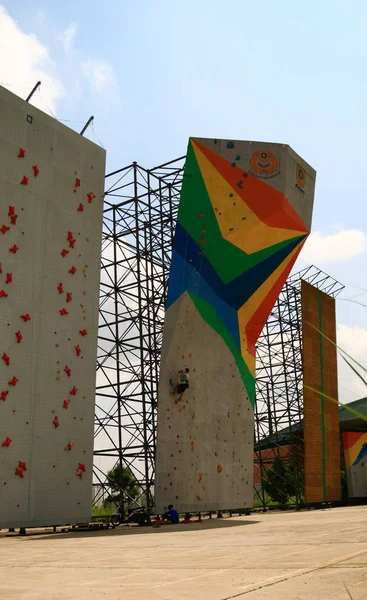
point(313, 555)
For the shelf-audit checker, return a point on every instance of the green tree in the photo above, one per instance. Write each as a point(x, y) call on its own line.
point(123, 485)
point(279, 482)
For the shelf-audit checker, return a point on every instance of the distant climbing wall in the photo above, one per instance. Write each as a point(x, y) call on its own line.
point(355, 458)
point(245, 212)
point(51, 187)
point(320, 383)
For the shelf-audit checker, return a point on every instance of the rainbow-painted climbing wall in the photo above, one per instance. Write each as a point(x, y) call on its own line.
point(245, 212)
point(355, 457)
point(51, 190)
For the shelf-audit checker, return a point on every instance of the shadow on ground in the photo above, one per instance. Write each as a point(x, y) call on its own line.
point(207, 524)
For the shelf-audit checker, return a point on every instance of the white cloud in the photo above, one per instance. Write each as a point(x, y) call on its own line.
point(99, 74)
point(341, 246)
point(25, 61)
point(354, 341)
point(67, 36)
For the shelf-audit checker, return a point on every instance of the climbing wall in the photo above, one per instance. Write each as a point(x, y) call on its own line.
point(51, 197)
point(320, 396)
point(245, 212)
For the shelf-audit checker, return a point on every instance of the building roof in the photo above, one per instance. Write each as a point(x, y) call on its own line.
point(348, 422)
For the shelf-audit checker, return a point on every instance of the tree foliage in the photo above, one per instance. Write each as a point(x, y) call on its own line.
point(280, 482)
point(123, 485)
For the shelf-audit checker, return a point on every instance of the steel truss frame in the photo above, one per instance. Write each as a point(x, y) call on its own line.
point(140, 213)
point(279, 383)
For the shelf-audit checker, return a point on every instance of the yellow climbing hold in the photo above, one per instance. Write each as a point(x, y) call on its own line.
point(219, 468)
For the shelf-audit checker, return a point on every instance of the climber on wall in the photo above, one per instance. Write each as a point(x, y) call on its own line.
point(183, 383)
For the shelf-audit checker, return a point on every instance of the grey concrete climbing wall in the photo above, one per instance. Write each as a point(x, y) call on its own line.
point(51, 201)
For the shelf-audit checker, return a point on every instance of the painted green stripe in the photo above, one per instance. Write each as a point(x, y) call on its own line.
point(228, 260)
point(211, 317)
point(323, 449)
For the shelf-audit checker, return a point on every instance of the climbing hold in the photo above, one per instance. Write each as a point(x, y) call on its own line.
point(233, 164)
point(200, 477)
point(70, 235)
point(79, 473)
point(63, 312)
point(19, 472)
point(73, 391)
point(230, 145)
point(64, 252)
point(9, 278)
point(72, 243)
point(24, 180)
point(219, 468)
point(4, 229)
point(3, 294)
point(90, 197)
point(14, 249)
point(83, 332)
point(13, 381)
point(192, 446)
point(69, 297)
point(56, 422)
point(26, 317)
point(6, 443)
point(35, 170)
point(67, 371)
point(3, 395)
point(198, 498)
point(80, 207)
point(77, 182)
point(78, 350)
point(72, 270)
point(11, 211)
point(6, 359)
point(21, 153)
point(22, 465)
point(19, 336)
point(66, 403)
point(60, 288)
point(82, 467)
point(68, 446)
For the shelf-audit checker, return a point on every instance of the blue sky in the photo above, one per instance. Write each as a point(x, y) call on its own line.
point(155, 72)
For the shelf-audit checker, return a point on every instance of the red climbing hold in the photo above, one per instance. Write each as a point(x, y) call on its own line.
point(70, 235)
point(56, 422)
point(35, 170)
point(22, 465)
point(64, 252)
point(78, 350)
point(73, 391)
point(21, 153)
point(11, 211)
point(19, 336)
point(66, 403)
point(3, 395)
point(14, 249)
point(6, 359)
point(24, 180)
point(9, 278)
point(19, 472)
point(13, 219)
point(90, 197)
point(72, 243)
point(68, 446)
point(26, 317)
point(69, 297)
point(13, 381)
point(6, 443)
point(79, 473)
point(67, 371)
point(72, 270)
point(63, 312)
point(80, 207)
point(4, 229)
point(77, 182)
point(83, 332)
point(60, 288)
point(82, 467)
point(3, 294)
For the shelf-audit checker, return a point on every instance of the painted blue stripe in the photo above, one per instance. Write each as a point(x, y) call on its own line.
point(184, 277)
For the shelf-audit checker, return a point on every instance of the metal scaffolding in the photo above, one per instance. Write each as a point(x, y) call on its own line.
point(139, 219)
point(138, 227)
point(279, 383)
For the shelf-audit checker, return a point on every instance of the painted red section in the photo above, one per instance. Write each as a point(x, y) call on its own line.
point(271, 206)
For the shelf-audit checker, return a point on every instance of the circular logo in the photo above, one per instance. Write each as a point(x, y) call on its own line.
point(301, 176)
point(263, 162)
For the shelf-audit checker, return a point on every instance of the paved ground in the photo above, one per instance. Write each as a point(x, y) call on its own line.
point(316, 555)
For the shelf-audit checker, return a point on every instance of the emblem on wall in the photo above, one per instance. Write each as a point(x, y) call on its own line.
point(264, 164)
